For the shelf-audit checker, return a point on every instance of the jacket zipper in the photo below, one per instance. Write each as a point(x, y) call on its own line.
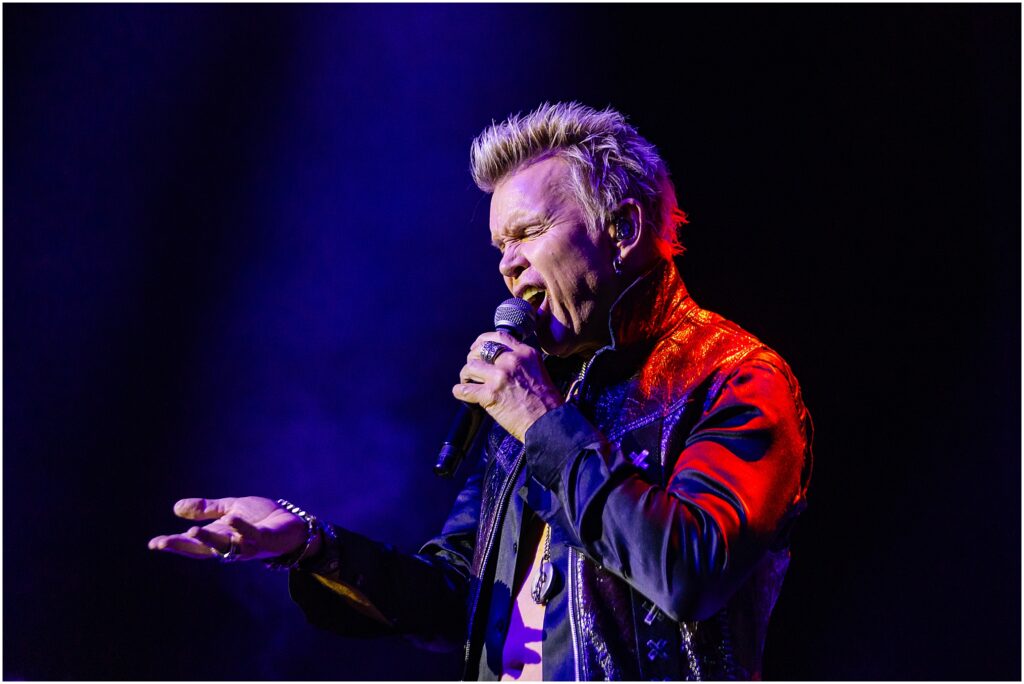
point(574, 579)
point(506, 490)
point(573, 613)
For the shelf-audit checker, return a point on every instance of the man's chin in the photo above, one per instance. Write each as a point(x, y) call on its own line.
point(551, 345)
point(563, 347)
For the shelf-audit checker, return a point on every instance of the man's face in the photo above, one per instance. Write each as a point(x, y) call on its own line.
point(550, 259)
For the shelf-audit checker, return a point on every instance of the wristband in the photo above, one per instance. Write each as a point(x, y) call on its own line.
point(314, 527)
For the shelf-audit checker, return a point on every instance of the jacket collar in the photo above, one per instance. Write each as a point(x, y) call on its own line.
point(650, 308)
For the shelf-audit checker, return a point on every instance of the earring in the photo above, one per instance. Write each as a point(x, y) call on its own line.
point(617, 265)
point(624, 230)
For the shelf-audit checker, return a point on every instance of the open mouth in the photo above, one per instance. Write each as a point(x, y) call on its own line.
point(535, 297)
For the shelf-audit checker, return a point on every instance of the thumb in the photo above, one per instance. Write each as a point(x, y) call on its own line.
point(468, 392)
point(202, 509)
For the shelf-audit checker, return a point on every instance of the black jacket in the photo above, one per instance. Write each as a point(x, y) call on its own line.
point(670, 485)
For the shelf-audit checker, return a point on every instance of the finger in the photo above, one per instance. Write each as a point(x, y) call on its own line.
point(215, 540)
point(479, 372)
point(495, 336)
point(202, 509)
point(181, 545)
point(476, 355)
point(474, 394)
point(498, 336)
point(247, 536)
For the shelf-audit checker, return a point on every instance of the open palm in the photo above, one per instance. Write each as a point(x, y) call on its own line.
point(259, 527)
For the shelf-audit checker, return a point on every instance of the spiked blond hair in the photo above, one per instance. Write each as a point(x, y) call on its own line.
point(608, 161)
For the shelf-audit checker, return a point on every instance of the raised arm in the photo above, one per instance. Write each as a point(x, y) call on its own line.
point(731, 492)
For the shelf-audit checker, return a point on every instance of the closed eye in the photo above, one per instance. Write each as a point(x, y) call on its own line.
point(519, 233)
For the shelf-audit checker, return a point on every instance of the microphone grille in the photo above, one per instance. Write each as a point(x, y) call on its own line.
point(515, 316)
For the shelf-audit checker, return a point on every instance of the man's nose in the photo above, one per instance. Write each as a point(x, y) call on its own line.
point(512, 262)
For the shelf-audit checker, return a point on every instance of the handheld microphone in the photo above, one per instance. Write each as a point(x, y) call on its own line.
point(515, 317)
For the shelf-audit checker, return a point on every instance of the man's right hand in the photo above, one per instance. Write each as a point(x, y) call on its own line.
point(259, 527)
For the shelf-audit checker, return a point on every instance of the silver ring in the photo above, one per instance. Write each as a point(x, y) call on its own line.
point(489, 350)
point(232, 554)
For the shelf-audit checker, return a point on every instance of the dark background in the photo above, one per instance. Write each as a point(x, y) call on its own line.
point(242, 254)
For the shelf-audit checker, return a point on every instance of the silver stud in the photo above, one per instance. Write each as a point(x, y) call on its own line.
point(639, 460)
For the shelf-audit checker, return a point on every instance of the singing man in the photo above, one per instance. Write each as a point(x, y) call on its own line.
point(628, 513)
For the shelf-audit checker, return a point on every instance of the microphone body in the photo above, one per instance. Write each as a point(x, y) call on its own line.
point(515, 317)
point(461, 435)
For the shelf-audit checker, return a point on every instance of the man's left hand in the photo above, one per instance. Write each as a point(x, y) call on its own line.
point(515, 390)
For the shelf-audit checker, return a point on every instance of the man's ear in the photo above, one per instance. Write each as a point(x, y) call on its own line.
point(628, 227)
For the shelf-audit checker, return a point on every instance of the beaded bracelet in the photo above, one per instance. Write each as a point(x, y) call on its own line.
point(291, 560)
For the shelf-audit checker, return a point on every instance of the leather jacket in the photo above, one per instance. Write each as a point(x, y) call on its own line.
point(670, 482)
